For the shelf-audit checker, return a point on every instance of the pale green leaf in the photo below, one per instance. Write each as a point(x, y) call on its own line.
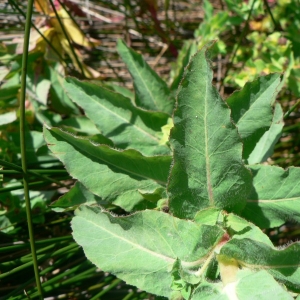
point(259, 285)
point(209, 216)
point(115, 176)
point(209, 291)
point(244, 229)
point(151, 92)
point(275, 197)
point(208, 170)
point(8, 117)
point(282, 264)
point(265, 146)
point(251, 109)
point(142, 248)
point(118, 119)
point(38, 85)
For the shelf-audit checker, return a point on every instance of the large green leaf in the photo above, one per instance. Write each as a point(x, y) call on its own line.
point(118, 119)
point(275, 197)
point(208, 169)
point(282, 264)
point(265, 146)
point(115, 176)
point(251, 109)
point(151, 92)
point(142, 248)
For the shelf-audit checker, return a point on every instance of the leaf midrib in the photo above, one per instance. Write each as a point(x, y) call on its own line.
point(144, 83)
point(161, 256)
point(106, 162)
point(208, 173)
point(273, 200)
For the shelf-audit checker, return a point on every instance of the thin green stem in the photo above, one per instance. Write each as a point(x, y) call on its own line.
point(20, 186)
point(103, 292)
point(291, 109)
point(67, 37)
point(23, 145)
point(10, 248)
point(28, 261)
point(31, 172)
point(276, 25)
point(35, 171)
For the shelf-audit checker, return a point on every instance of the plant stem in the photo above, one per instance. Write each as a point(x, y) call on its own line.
point(23, 145)
point(276, 25)
point(35, 171)
point(103, 292)
point(32, 172)
point(291, 109)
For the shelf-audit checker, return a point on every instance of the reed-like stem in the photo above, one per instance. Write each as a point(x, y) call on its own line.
point(23, 145)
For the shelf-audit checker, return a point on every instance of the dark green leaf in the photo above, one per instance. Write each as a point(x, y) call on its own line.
point(251, 109)
point(151, 92)
point(208, 170)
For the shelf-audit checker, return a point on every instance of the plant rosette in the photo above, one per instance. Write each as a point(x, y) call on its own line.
point(197, 203)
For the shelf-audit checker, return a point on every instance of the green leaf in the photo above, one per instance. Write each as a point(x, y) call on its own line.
point(185, 54)
point(209, 216)
point(151, 92)
point(207, 167)
point(275, 197)
point(259, 285)
point(142, 248)
point(118, 119)
point(282, 264)
point(115, 176)
point(77, 195)
point(80, 124)
point(209, 291)
point(9, 93)
point(251, 109)
point(8, 117)
point(265, 146)
point(38, 83)
point(241, 229)
point(59, 98)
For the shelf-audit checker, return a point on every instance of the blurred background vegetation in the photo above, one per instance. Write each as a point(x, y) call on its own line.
point(78, 38)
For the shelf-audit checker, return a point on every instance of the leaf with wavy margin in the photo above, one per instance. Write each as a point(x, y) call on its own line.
point(118, 119)
point(142, 248)
point(207, 166)
point(282, 264)
point(275, 196)
point(151, 92)
point(115, 176)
